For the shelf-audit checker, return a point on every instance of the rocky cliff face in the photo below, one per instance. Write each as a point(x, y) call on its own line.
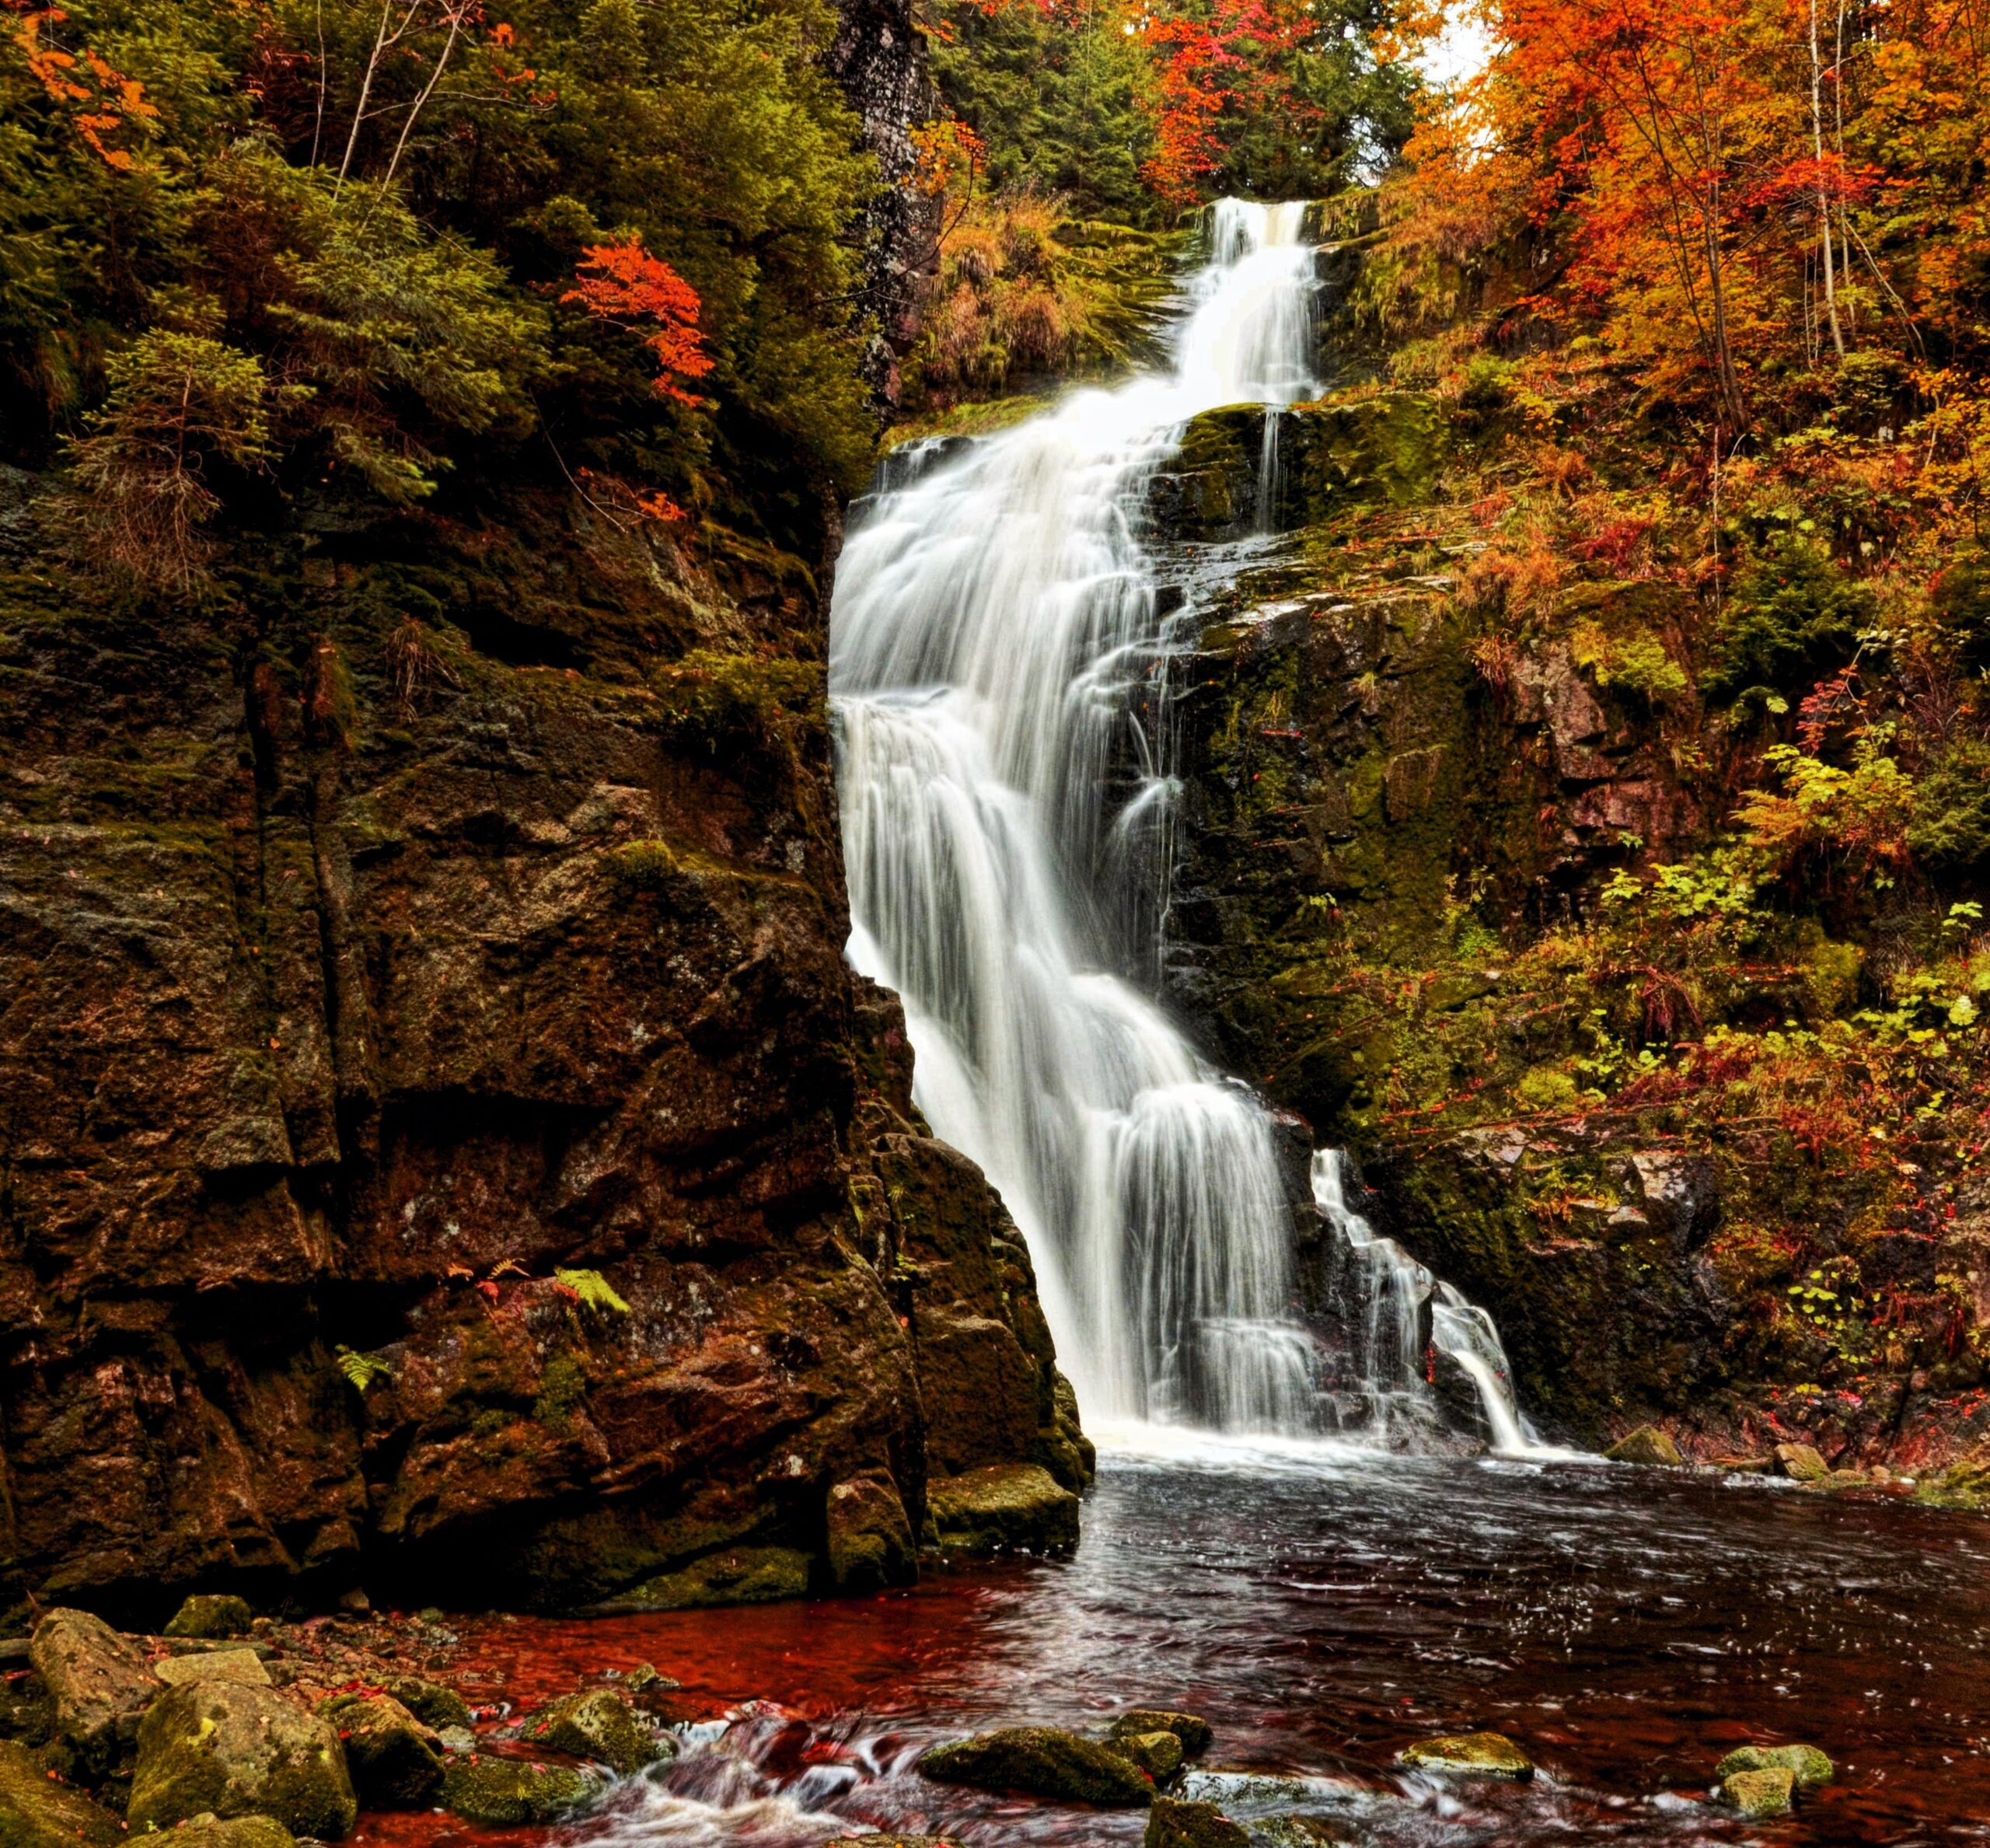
point(442, 1145)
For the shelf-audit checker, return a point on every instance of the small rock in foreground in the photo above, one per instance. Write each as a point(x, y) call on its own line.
point(430, 1702)
point(396, 1762)
point(1176, 1825)
point(1158, 1754)
point(35, 1813)
point(1469, 1755)
point(1806, 1763)
point(1759, 1794)
point(211, 1615)
point(1041, 1760)
point(236, 1751)
point(1648, 1446)
point(1801, 1463)
point(1192, 1729)
point(507, 1792)
point(599, 1725)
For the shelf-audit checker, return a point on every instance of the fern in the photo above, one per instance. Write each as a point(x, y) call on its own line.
point(361, 1371)
point(592, 1289)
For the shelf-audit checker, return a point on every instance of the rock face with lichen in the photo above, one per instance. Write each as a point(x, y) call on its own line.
point(438, 1117)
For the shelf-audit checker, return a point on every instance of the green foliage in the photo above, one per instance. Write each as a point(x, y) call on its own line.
point(641, 866)
point(593, 1290)
point(1962, 607)
point(1637, 662)
point(362, 1372)
point(1950, 832)
point(711, 697)
point(1791, 616)
point(1547, 1088)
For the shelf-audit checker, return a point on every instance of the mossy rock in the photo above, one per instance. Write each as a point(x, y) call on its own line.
point(1470, 1755)
point(1043, 1761)
point(211, 1614)
point(395, 1760)
point(1761, 1794)
point(430, 1702)
point(598, 1725)
point(736, 1575)
point(1801, 1463)
point(1647, 1445)
point(1196, 1733)
point(509, 1794)
point(218, 1747)
point(239, 1831)
point(1158, 1754)
point(1005, 1507)
point(37, 1813)
point(1174, 1824)
point(1806, 1763)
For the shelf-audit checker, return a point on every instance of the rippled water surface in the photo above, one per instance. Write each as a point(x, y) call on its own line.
point(1628, 1627)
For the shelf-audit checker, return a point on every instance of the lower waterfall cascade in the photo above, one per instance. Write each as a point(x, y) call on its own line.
point(995, 623)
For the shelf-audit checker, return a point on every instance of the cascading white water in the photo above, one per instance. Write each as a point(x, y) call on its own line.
point(994, 616)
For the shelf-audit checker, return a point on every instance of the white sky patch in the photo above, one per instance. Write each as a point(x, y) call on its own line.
point(1458, 53)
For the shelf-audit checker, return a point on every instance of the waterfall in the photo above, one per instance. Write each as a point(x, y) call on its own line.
point(994, 623)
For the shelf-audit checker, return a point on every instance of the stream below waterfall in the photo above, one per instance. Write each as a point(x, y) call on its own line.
point(1323, 1607)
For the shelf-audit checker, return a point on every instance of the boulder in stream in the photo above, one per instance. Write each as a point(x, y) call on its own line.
point(1647, 1445)
point(1158, 1754)
point(1759, 1794)
point(238, 1832)
point(1806, 1763)
point(507, 1792)
point(396, 1762)
point(211, 1614)
point(99, 1682)
point(870, 1537)
point(598, 1725)
point(1196, 1733)
point(1005, 1507)
point(1469, 1755)
point(37, 1813)
point(233, 1751)
point(1045, 1761)
point(1801, 1463)
point(1174, 1824)
point(430, 1702)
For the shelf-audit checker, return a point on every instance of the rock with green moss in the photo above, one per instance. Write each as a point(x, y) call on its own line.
point(597, 1725)
point(1176, 1825)
point(733, 1575)
point(211, 1614)
point(1647, 1445)
point(896, 1841)
point(1806, 1763)
point(1158, 1754)
point(395, 1760)
point(1004, 1508)
point(35, 1813)
point(1801, 1463)
point(870, 1537)
point(238, 1832)
point(235, 1751)
point(1044, 1761)
point(100, 1681)
point(1760, 1794)
point(242, 1665)
point(507, 1792)
point(1192, 1729)
point(430, 1702)
point(1469, 1755)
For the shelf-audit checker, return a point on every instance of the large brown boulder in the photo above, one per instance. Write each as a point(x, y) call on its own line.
point(218, 1748)
point(100, 1682)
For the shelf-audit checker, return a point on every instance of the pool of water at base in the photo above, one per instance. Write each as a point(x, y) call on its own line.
point(1324, 1608)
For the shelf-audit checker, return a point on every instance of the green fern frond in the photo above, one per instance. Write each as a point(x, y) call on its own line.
point(593, 1290)
point(361, 1371)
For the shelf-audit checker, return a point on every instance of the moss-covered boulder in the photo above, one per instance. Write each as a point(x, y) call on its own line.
point(1005, 1507)
point(870, 1537)
point(430, 1702)
point(1469, 1755)
point(35, 1813)
point(507, 1792)
point(211, 1614)
point(599, 1725)
point(99, 1682)
point(243, 1666)
point(396, 1762)
point(1805, 1763)
point(1801, 1463)
point(1760, 1794)
point(1647, 1445)
point(1174, 1824)
point(1044, 1761)
point(238, 1832)
point(733, 1575)
point(1192, 1729)
point(1158, 1754)
point(234, 1751)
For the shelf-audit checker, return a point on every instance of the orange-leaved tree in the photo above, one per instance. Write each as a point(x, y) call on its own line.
point(623, 284)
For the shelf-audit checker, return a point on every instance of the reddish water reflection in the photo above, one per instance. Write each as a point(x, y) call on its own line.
point(1628, 1627)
